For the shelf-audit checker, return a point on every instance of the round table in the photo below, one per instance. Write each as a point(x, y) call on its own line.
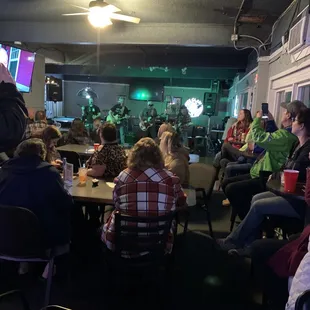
point(275, 186)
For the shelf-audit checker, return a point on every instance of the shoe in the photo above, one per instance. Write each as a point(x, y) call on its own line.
point(244, 252)
point(225, 244)
point(225, 203)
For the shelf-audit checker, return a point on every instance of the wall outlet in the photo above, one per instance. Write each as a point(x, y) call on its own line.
point(234, 37)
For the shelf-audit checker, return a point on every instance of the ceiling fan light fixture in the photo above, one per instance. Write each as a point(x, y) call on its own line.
point(98, 17)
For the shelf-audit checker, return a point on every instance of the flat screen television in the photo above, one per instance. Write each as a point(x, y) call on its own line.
point(146, 91)
point(20, 64)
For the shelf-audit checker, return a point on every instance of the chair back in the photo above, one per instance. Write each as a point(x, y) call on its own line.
point(202, 176)
point(303, 301)
point(72, 158)
point(136, 234)
point(20, 233)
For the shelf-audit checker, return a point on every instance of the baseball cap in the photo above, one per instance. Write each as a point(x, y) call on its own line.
point(293, 107)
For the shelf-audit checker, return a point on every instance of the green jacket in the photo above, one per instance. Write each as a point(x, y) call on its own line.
point(277, 147)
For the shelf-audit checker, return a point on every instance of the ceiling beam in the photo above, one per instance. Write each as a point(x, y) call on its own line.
point(144, 33)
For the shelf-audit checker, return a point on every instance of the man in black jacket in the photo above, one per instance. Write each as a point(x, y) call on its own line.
point(13, 113)
point(28, 181)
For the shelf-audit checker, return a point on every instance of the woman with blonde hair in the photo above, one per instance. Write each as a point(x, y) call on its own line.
point(145, 188)
point(175, 156)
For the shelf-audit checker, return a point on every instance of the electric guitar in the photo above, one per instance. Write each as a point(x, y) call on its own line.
point(116, 119)
point(145, 125)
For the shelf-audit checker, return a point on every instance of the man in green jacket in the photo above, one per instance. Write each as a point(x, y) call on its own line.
point(278, 145)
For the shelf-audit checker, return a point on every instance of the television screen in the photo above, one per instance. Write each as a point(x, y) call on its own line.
point(20, 63)
point(144, 90)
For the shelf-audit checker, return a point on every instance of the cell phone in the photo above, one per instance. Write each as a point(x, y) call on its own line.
point(265, 110)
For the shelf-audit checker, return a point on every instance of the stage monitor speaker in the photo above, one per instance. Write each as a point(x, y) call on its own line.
point(54, 90)
point(209, 102)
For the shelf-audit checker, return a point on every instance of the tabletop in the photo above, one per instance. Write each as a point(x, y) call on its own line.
point(85, 150)
point(102, 194)
point(276, 187)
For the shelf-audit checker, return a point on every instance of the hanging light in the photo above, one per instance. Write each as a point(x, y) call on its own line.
point(98, 17)
point(87, 93)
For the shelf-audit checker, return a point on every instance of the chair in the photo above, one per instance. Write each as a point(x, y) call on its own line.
point(72, 158)
point(20, 240)
point(54, 307)
point(135, 234)
point(202, 179)
point(303, 301)
point(18, 294)
point(263, 175)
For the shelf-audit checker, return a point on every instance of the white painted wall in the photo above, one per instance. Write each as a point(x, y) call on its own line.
point(35, 99)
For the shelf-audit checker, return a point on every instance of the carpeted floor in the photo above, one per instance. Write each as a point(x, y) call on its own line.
point(203, 277)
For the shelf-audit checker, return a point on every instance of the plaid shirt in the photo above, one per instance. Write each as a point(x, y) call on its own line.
point(144, 193)
point(35, 129)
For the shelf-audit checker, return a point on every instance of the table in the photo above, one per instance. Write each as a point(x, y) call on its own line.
point(275, 187)
point(102, 194)
point(84, 150)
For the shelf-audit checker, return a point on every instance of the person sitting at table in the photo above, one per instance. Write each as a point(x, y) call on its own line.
point(175, 158)
point(153, 190)
point(275, 262)
point(77, 133)
point(94, 135)
point(40, 190)
point(268, 203)
point(35, 129)
point(110, 158)
point(50, 137)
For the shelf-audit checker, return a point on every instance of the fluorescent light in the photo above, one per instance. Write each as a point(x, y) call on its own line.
point(99, 17)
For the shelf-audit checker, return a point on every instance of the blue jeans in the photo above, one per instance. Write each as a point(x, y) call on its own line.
point(262, 204)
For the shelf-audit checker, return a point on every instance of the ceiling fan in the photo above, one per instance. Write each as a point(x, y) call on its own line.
point(100, 13)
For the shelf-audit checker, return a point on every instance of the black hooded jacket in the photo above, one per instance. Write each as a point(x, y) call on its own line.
point(13, 117)
point(36, 185)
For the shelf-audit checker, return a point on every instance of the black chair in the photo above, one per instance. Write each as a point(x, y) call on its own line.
point(54, 307)
point(263, 175)
point(202, 179)
point(303, 301)
point(13, 294)
point(72, 158)
point(135, 234)
point(21, 241)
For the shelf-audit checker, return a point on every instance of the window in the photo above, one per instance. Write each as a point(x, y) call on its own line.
point(304, 95)
point(244, 102)
point(281, 96)
point(13, 63)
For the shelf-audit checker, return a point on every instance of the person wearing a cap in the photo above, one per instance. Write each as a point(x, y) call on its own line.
point(117, 114)
point(90, 113)
point(13, 112)
point(148, 116)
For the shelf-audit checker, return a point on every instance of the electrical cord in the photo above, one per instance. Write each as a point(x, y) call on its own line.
point(237, 17)
point(246, 47)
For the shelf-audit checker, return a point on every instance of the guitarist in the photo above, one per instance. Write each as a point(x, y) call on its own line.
point(90, 113)
point(147, 118)
point(183, 121)
point(117, 114)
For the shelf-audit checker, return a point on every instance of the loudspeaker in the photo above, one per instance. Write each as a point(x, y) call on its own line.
point(54, 90)
point(209, 102)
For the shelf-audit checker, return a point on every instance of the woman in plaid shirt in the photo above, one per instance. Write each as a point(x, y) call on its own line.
point(145, 188)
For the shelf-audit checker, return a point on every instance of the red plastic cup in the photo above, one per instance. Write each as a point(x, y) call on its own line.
point(96, 146)
point(290, 180)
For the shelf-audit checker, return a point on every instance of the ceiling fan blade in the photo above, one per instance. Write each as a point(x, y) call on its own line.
point(125, 18)
point(111, 8)
point(79, 7)
point(75, 14)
